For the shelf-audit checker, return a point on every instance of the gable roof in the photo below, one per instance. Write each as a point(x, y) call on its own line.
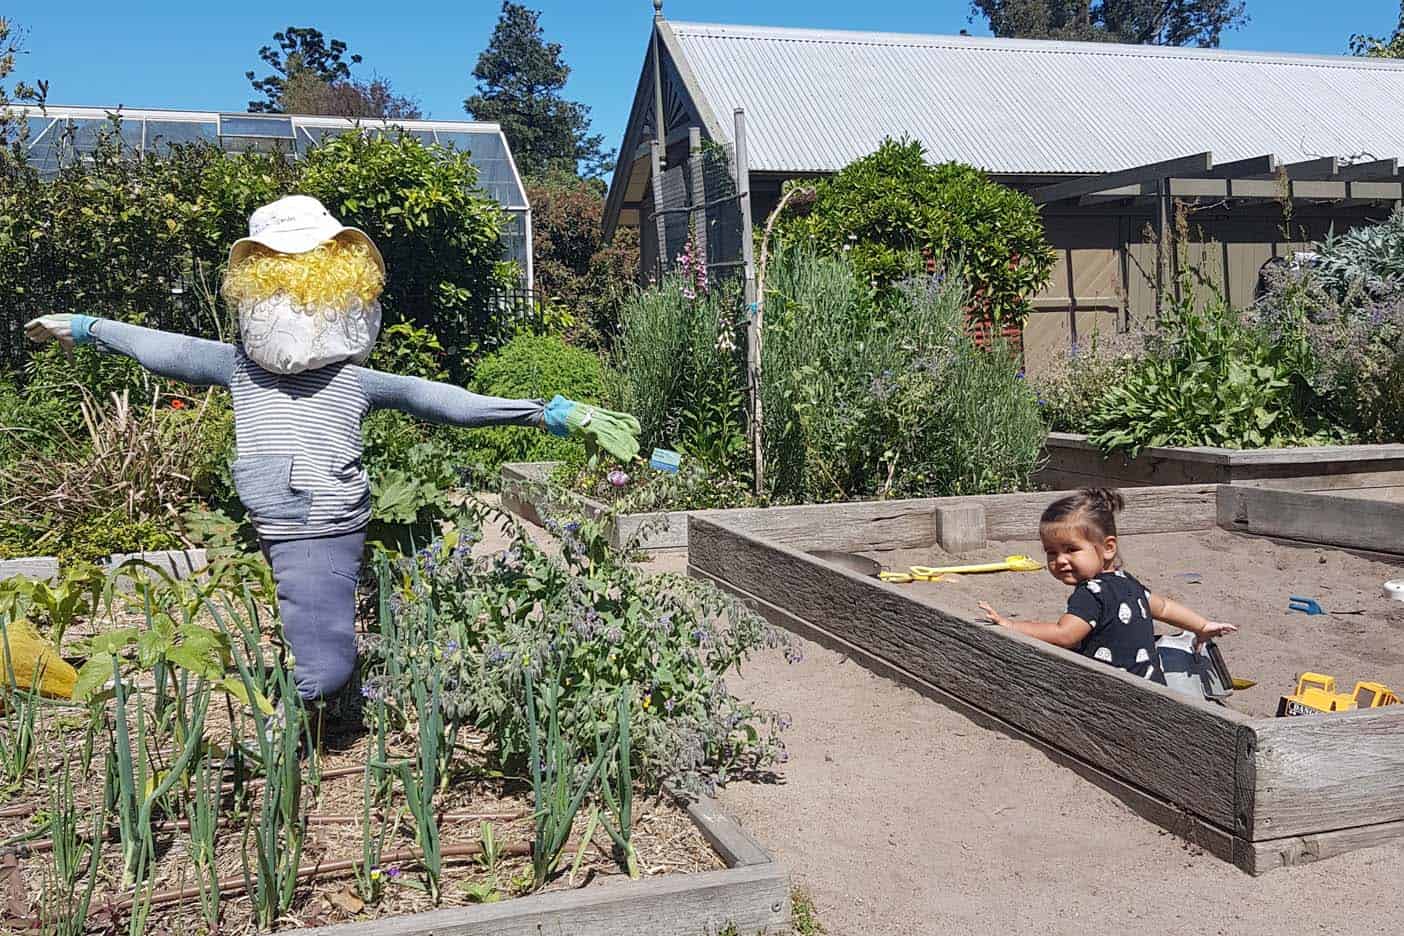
point(817, 99)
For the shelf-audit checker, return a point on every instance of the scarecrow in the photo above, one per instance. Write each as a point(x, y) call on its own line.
point(307, 291)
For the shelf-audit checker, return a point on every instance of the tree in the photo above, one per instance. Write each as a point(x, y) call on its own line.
point(10, 46)
point(300, 48)
point(573, 265)
point(305, 93)
point(1138, 22)
point(1375, 47)
point(520, 77)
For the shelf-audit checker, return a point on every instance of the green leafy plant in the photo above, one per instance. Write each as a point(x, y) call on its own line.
point(617, 788)
point(600, 623)
point(1206, 379)
point(530, 367)
point(888, 209)
point(556, 792)
point(405, 349)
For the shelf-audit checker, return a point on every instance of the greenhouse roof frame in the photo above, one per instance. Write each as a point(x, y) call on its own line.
point(301, 130)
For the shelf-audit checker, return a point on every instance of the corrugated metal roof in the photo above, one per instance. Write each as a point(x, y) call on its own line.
point(817, 99)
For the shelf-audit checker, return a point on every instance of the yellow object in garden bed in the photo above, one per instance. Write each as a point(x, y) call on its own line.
point(930, 574)
point(29, 653)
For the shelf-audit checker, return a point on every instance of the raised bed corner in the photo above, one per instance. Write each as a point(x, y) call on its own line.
point(1259, 792)
point(1073, 462)
point(527, 493)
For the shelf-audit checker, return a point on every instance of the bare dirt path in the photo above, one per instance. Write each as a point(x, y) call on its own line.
point(901, 817)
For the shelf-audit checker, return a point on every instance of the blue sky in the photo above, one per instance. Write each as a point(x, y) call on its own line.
point(186, 55)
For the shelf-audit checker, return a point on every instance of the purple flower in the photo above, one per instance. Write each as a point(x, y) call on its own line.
point(392, 873)
point(618, 478)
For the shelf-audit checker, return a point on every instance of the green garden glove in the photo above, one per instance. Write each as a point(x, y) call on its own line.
point(616, 433)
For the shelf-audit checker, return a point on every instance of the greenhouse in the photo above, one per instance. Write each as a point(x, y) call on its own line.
point(58, 133)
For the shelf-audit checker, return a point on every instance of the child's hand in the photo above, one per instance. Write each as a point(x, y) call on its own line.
point(993, 616)
point(1212, 630)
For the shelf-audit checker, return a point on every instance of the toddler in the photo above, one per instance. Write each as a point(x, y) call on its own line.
point(1109, 616)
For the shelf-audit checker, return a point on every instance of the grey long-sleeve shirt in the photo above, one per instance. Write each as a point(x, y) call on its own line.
point(299, 470)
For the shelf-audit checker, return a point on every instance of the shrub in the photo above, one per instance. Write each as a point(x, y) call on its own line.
point(590, 624)
point(899, 404)
point(1206, 379)
point(439, 235)
point(531, 367)
point(573, 265)
point(886, 209)
point(681, 371)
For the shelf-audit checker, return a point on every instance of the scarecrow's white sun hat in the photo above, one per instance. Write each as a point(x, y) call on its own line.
point(296, 224)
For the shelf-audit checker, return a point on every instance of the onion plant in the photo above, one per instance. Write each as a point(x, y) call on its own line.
point(279, 827)
point(202, 810)
point(374, 793)
point(618, 788)
point(553, 760)
point(419, 776)
point(74, 857)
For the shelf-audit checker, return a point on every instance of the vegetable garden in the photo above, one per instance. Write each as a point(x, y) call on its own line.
point(517, 717)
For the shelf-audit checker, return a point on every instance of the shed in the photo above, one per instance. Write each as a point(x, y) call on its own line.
point(1126, 127)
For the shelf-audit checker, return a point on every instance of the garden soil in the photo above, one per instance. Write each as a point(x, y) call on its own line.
point(900, 817)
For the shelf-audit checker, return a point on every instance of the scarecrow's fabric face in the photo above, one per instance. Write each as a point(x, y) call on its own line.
point(299, 312)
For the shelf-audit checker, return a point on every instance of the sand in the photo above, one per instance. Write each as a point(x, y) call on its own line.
point(1225, 577)
point(900, 817)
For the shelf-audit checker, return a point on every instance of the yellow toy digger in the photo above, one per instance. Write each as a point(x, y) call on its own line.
point(1316, 694)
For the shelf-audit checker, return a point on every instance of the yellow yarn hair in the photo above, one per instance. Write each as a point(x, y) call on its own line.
point(321, 280)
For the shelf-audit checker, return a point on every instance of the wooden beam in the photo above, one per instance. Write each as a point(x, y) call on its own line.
point(751, 899)
point(1254, 165)
point(1329, 772)
point(1272, 189)
point(1379, 170)
point(1325, 167)
point(1087, 185)
point(905, 524)
point(1184, 751)
point(1347, 522)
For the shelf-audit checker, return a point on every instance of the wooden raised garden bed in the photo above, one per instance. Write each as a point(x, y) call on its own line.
point(752, 895)
point(1074, 462)
point(1259, 791)
point(525, 493)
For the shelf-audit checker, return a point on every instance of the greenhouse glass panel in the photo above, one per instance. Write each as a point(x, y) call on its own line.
point(161, 135)
point(242, 125)
point(37, 126)
point(514, 240)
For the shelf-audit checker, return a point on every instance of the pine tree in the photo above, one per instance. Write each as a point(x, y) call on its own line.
point(520, 78)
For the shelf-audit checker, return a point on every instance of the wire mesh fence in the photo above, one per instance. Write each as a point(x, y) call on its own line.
point(698, 202)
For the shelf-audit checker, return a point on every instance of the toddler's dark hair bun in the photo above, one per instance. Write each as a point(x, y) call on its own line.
point(1107, 499)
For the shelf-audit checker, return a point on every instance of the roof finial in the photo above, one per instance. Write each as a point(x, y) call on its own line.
point(657, 9)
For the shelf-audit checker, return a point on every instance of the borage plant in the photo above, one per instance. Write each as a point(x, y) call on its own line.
point(666, 642)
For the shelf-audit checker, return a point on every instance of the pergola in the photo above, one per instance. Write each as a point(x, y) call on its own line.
point(1197, 183)
point(1327, 178)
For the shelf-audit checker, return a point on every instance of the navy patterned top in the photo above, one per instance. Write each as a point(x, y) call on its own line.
point(1117, 606)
